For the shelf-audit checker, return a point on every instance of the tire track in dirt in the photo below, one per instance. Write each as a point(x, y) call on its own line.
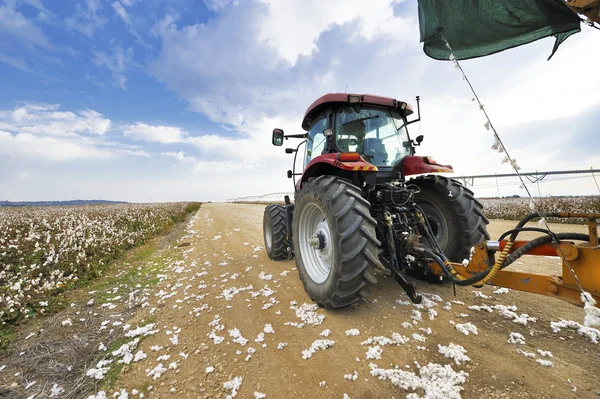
point(227, 251)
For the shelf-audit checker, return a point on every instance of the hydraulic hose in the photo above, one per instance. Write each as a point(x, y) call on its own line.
point(504, 259)
point(536, 229)
point(528, 218)
point(541, 241)
point(479, 278)
point(456, 278)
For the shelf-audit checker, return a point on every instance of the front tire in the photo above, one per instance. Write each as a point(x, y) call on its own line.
point(275, 232)
point(454, 214)
point(335, 242)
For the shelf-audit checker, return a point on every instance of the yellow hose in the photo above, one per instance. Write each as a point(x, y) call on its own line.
point(501, 258)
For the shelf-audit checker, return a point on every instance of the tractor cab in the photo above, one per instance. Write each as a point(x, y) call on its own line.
point(370, 126)
point(378, 135)
point(359, 133)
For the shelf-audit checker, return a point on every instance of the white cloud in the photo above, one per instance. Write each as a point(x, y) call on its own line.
point(47, 120)
point(15, 24)
point(117, 63)
point(121, 12)
point(16, 62)
point(135, 153)
point(179, 156)
point(52, 148)
point(292, 27)
point(220, 5)
point(87, 17)
point(154, 134)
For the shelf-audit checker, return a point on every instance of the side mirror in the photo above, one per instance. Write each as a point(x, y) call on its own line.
point(419, 139)
point(277, 137)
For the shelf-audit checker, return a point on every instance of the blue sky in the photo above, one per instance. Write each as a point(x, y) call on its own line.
point(175, 100)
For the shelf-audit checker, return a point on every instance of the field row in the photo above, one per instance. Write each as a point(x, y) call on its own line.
point(518, 208)
point(45, 249)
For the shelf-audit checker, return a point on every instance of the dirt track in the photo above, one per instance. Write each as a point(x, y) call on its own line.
point(228, 241)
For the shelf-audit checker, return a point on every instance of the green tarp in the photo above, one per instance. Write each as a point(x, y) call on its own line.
point(475, 28)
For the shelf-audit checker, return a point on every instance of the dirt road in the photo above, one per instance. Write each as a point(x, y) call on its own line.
point(228, 291)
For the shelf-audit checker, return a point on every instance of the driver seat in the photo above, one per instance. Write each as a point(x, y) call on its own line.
point(374, 152)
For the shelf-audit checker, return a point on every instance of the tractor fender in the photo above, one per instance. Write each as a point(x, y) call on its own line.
point(417, 165)
point(330, 164)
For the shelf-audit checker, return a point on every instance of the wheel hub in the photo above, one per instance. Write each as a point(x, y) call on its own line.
point(317, 241)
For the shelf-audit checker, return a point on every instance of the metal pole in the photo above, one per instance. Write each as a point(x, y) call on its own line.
point(497, 186)
point(538, 183)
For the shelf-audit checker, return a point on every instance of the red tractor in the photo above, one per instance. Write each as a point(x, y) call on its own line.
point(359, 207)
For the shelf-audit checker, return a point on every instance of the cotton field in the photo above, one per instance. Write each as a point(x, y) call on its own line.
point(45, 249)
point(517, 208)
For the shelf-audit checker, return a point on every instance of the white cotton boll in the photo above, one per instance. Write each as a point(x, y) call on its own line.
point(456, 352)
point(544, 353)
point(237, 337)
point(516, 338)
point(140, 355)
point(374, 352)
point(325, 333)
point(260, 338)
point(487, 125)
point(432, 314)
point(467, 328)
point(56, 391)
point(157, 371)
point(209, 369)
point(233, 385)
point(281, 345)
point(526, 354)
point(259, 395)
point(319, 344)
point(353, 332)
point(436, 381)
point(416, 315)
point(502, 290)
point(418, 337)
point(307, 313)
point(592, 313)
point(351, 377)
point(269, 329)
point(545, 363)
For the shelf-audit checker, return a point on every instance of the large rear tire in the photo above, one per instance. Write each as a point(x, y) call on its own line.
point(275, 232)
point(335, 242)
point(454, 214)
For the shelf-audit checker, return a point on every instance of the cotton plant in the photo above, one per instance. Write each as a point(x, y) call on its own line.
point(50, 248)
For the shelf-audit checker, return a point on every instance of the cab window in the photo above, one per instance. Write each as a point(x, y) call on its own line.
point(316, 141)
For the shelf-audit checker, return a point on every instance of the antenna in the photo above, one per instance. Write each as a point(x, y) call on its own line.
point(346, 89)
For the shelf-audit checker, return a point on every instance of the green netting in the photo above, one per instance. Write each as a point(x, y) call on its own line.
point(475, 28)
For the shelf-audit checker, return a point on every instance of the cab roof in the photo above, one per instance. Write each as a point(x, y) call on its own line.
point(344, 98)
